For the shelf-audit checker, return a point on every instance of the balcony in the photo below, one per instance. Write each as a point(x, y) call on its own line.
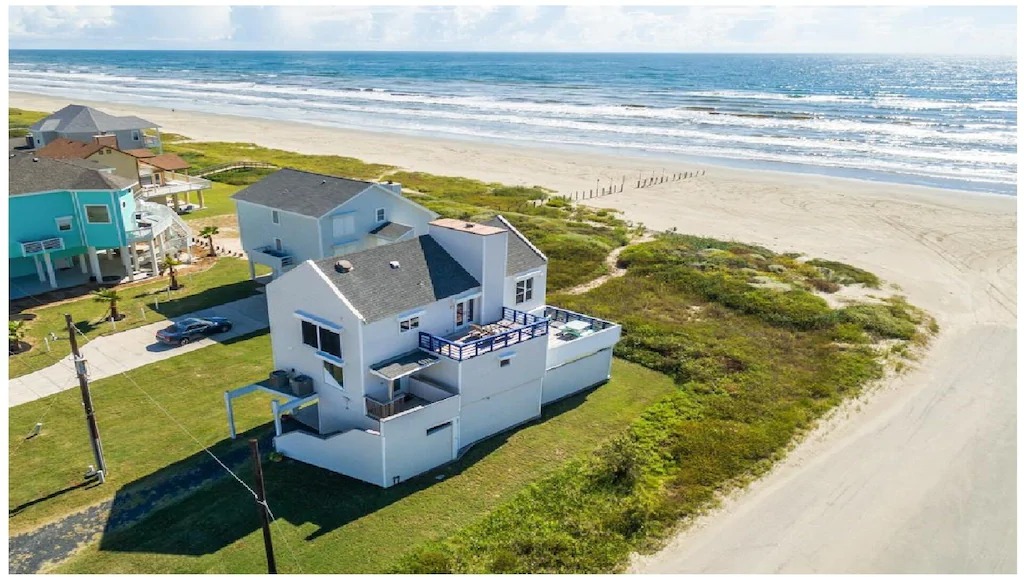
point(514, 327)
point(151, 141)
point(573, 335)
point(272, 257)
point(175, 184)
point(31, 247)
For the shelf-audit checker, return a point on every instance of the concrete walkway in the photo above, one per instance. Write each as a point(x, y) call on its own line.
point(113, 354)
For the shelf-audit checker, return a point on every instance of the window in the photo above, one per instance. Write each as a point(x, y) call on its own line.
point(97, 214)
point(309, 335)
point(64, 223)
point(344, 225)
point(278, 246)
point(330, 342)
point(409, 324)
point(380, 215)
point(335, 372)
point(136, 135)
point(275, 217)
point(322, 339)
point(524, 290)
point(505, 362)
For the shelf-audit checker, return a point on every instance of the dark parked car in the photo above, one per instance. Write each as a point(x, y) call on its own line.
point(186, 331)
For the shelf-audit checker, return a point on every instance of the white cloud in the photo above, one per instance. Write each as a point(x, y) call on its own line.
point(529, 28)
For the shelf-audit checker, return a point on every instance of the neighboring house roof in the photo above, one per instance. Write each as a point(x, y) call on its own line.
point(141, 153)
point(426, 273)
point(522, 255)
point(32, 174)
point(166, 162)
point(65, 148)
point(76, 118)
point(302, 192)
point(391, 231)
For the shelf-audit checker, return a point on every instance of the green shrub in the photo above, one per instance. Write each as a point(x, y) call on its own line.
point(846, 274)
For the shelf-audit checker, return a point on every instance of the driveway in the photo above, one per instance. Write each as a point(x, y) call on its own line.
point(113, 354)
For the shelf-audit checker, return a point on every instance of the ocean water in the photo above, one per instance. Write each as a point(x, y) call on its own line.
point(938, 121)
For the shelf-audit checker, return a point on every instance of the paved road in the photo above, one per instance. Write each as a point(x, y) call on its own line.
point(119, 352)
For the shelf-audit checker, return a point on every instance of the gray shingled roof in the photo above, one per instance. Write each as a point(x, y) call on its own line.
point(77, 118)
point(521, 257)
point(390, 230)
point(45, 174)
point(426, 274)
point(302, 192)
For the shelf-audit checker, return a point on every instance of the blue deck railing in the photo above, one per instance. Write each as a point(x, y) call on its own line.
point(533, 327)
point(556, 314)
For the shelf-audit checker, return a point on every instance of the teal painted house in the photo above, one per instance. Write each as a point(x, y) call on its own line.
point(72, 221)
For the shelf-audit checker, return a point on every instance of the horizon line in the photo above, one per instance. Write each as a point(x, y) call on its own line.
point(455, 51)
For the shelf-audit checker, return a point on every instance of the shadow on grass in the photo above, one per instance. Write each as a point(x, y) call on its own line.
point(210, 297)
point(219, 514)
point(16, 510)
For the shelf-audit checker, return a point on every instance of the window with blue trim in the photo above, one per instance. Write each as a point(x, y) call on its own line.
point(321, 338)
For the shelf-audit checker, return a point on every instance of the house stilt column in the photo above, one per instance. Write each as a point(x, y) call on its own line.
point(202, 203)
point(39, 268)
point(94, 261)
point(252, 270)
point(83, 263)
point(126, 260)
point(152, 257)
point(49, 270)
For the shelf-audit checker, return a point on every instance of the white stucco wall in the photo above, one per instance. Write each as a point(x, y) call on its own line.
point(355, 453)
point(299, 235)
point(303, 289)
point(540, 278)
point(495, 398)
point(484, 257)
point(408, 450)
point(575, 376)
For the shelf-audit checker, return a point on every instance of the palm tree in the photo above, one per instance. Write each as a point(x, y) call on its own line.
point(109, 296)
point(170, 262)
point(208, 233)
point(15, 332)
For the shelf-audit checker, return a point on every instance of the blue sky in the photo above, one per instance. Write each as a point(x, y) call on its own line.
point(892, 29)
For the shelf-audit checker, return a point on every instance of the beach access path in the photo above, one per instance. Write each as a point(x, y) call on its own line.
point(921, 476)
point(119, 352)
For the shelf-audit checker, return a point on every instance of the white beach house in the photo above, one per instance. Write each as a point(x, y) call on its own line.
point(394, 359)
point(291, 216)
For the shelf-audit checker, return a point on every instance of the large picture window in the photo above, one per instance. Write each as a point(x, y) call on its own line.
point(322, 339)
point(97, 213)
point(524, 290)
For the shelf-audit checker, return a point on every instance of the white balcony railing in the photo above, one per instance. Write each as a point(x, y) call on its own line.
point(175, 185)
point(32, 247)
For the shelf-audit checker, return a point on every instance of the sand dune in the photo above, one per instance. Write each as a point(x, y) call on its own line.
point(918, 477)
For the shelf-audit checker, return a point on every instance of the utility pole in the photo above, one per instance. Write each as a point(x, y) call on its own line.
point(90, 415)
point(261, 504)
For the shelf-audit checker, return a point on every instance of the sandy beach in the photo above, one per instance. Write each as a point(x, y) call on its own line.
point(919, 476)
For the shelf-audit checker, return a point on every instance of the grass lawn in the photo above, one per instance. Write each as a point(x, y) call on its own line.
point(19, 120)
point(138, 439)
point(218, 202)
point(225, 281)
point(332, 523)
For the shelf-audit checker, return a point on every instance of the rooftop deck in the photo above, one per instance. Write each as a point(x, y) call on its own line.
point(513, 328)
